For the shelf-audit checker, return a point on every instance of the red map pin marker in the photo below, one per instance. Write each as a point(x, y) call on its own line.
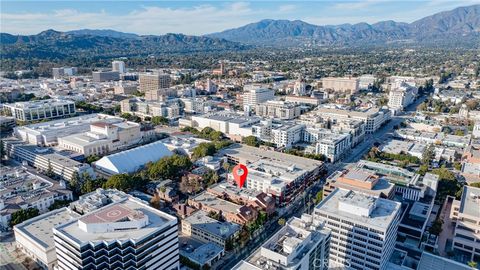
point(240, 174)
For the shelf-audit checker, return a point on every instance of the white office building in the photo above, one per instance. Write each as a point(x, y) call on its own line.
point(45, 159)
point(127, 234)
point(401, 95)
point(255, 94)
point(287, 134)
point(40, 109)
point(103, 137)
point(363, 228)
point(119, 66)
point(278, 109)
point(334, 146)
point(47, 133)
point(231, 124)
point(373, 118)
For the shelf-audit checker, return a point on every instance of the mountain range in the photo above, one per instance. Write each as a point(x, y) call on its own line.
point(458, 26)
point(106, 43)
point(460, 23)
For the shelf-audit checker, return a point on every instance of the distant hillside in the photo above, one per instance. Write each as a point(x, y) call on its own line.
point(52, 44)
point(462, 23)
point(103, 33)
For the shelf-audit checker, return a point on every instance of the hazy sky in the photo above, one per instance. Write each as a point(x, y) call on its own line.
point(202, 17)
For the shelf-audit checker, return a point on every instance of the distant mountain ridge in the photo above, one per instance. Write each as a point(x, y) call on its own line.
point(454, 27)
point(103, 33)
point(106, 43)
point(457, 23)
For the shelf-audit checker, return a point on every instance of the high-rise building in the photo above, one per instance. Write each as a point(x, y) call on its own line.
point(466, 238)
point(363, 228)
point(127, 234)
point(118, 66)
point(255, 94)
point(401, 95)
point(105, 76)
point(153, 82)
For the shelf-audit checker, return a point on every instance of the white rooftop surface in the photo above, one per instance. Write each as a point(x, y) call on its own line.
point(253, 154)
point(429, 261)
point(156, 220)
point(39, 103)
point(244, 265)
point(82, 139)
point(382, 214)
point(201, 220)
point(214, 202)
point(131, 160)
point(274, 175)
point(396, 147)
point(233, 189)
point(470, 203)
point(40, 228)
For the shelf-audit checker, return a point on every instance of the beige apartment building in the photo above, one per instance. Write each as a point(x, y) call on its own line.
point(341, 84)
point(466, 213)
point(153, 81)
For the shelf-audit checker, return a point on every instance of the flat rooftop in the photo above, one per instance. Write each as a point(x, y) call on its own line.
point(210, 200)
point(396, 147)
point(470, 202)
point(203, 253)
point(114, 213)
point(360, 175)
point(381, 216)
point(39, 103)
point(250, 154)
point(202, 221)
point(60, 124)
point(225, 187)
point(40, 228)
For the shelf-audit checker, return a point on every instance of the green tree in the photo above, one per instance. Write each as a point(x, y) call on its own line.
point(251, 141)
point(91, 185)
point(423, 169)
point(436, 227)
point(472, 264)
point(75, 182)
point(204, 149)
point(49, 171)
point(281, 222)
point(91, 159)
point(169, 167)
point(447, 185)
point(428, 155)
point(22, 215)
point(159, 120)
point(123, 182)
point(319, 197)
point(59, 204)
point(476, 184)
